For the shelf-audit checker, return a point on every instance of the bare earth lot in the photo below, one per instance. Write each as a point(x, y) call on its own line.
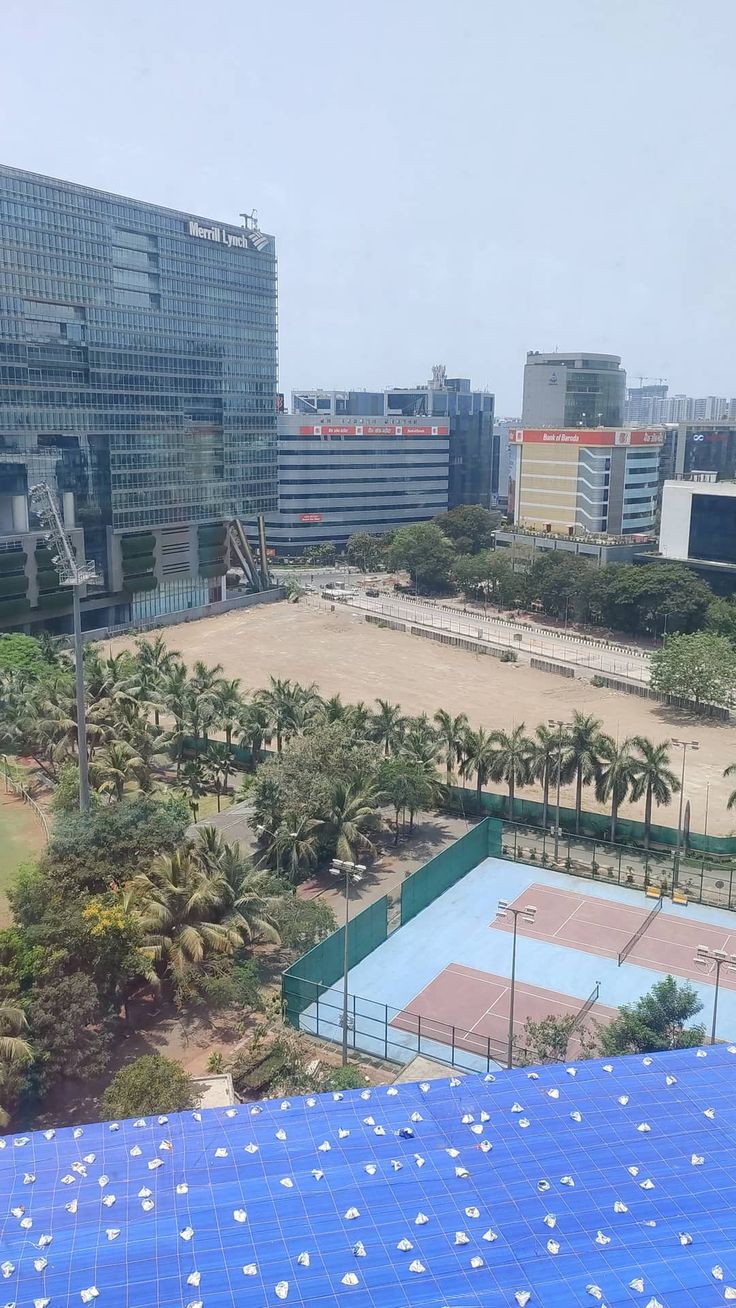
point(342, 653)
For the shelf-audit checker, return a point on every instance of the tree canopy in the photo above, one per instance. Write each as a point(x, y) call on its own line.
point(470, 527)
point(425, 552)
point(655, 1022)
point(700, 667)
point(151, 1084)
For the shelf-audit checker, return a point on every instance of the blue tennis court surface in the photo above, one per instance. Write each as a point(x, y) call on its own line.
point(606, 1183)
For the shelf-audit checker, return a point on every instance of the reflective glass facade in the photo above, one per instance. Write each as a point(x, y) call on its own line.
point(138, 358)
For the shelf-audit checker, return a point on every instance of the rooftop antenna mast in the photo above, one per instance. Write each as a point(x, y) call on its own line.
point(75, 575)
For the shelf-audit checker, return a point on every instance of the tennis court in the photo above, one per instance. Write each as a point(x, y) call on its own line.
point(440, 984)
point(604, 927)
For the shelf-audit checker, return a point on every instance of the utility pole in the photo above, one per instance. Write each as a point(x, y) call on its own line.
point(75, 575)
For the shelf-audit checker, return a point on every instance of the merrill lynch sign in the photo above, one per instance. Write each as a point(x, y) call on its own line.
point(218, 235)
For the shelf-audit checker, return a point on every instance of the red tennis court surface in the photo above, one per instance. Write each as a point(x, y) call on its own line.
point(468, 1009)
point(601, 926)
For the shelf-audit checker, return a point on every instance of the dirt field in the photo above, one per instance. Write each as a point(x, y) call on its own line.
point(342, 653)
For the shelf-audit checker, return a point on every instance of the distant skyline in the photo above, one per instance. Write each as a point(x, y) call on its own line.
point(446, 185)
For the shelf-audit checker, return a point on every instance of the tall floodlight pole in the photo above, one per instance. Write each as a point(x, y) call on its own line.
point(75, 575)
point(527, 914)
point(704, 956)
point(684, 745)
point(353, 874)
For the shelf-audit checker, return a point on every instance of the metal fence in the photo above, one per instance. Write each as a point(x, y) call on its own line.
point(390, 1033)
point(20, 790)
point(703, 879)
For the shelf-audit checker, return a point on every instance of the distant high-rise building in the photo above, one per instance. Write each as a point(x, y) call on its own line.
point(138, 378)
point(573, 390)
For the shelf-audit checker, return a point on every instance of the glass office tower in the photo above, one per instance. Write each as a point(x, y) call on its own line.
point(138, 376)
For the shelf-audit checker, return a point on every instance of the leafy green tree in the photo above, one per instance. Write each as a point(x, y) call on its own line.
point(68, 1025)
point(584, 740)
point(488, 576)
point(178, 906)
point(556, 580)
point(720, 618)
point(19, 653)
point(302, 923)
point(322, 555)
point(510, 764)
point(425, 553)
point(151, 1084)
point(470, 527)
point(547, 1040)
point(638, 599)
point(699, 667)
point(653, 779)
point(655, 1022)
point(14, 1048)
point(364, 551)
point(616, 774)
point(113, 841)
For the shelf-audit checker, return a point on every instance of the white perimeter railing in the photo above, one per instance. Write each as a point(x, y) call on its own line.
point(599, 657)
point(19, 789)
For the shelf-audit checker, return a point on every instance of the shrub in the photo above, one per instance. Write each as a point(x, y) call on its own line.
point(597, 681)
point(344, 1078)
point(508, 656)
point(151, 1084)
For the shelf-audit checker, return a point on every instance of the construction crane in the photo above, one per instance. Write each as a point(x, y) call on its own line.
point(75, 575)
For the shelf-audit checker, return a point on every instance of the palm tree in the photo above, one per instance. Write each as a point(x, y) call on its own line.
point(333, 709)
point(451, 732)
point(154, 660)
point(730, 771)
point(193, 778)
point(511, 760)
point(278, 702)
point(358, 718)
point(253, 726)
point(178, 905)
point(13, 1047)
point(615, 776)
point(219, 762)
point(114, 767)
point(584, 738)
point(228, 705)
point(545, 748)
point(350, 814)
point(478, 756)
point(296, 845)
point(388, 725)
point(420, 739)
point(654, 779)
point(175, 691)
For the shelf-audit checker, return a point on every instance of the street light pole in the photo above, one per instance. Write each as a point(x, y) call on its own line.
point(528, 914)
point(703, 957)
point(352, 872)
point(684, 745)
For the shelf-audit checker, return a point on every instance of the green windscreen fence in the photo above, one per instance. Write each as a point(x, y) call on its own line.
point(596, 825)
point(315, 972)
point(432, 880)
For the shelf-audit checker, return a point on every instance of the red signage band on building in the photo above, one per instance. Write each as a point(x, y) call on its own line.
point(310, 517)
point(405, 429)
point(611, 436)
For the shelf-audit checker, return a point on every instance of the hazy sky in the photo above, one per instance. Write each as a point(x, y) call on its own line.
point(447, 182)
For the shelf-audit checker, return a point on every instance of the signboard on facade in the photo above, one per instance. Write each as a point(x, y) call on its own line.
point(611, 436)
point(351, 429)
point(310, 517)
point(219, 235)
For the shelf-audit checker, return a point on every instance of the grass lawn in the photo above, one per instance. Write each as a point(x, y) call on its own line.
point(21, 839)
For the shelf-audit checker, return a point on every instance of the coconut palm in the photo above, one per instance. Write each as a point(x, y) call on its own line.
point(296, 845)
point(388, 725)
point(584, 738)
point(278, 702)
point(616, 773)
point(114, 767)
point(13, 1047)
point(253, 727)
point(333, 709)
point(228, 705)
point(219, 764)
point(358, 719)
point(478, 756)
point(654, 779)
point(193, 777)
point(155, 660)
point(451, 734)
point(351, 813)
point(511, 760)
point(545, 749)
point(420, 739)
point(178, 906)
point(730, 771)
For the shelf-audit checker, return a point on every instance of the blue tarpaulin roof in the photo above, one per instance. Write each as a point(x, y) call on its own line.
point(605, 1183)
